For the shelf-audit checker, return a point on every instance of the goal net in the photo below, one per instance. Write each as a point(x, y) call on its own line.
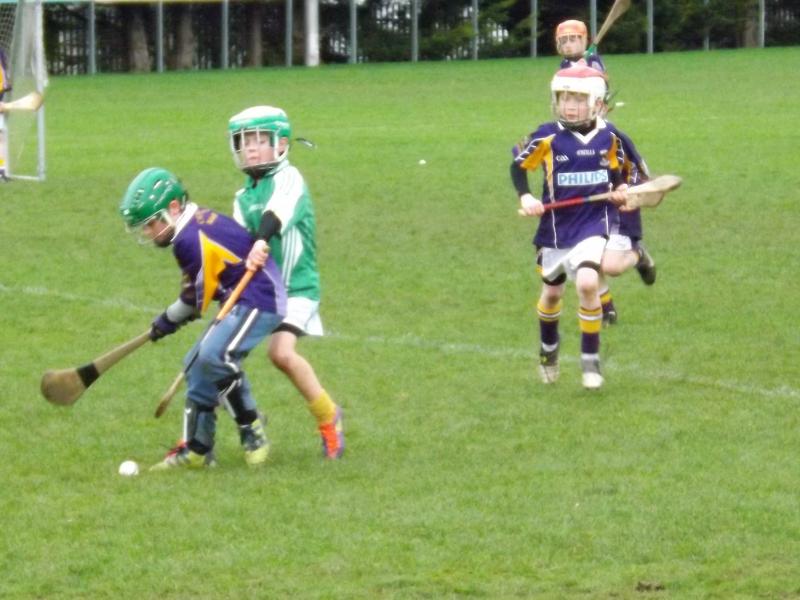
point(22, 134)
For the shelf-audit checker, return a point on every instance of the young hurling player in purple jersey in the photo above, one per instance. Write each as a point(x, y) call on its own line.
point(571, 40)
point(5, 86)
point(625, 248)
point(580, 156)
point(211, 250)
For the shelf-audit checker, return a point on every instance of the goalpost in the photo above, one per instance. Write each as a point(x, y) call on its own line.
point(22, 135)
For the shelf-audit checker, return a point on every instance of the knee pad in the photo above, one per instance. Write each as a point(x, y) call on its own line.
point(588, 264)
point(558, 280)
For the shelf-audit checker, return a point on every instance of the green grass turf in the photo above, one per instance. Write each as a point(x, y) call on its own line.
point(464, 476)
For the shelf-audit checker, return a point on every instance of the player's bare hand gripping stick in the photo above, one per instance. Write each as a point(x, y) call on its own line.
point(645, 195)
point(226, 308)
point(65, 386)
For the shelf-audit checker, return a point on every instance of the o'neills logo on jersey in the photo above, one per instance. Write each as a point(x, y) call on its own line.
point(582, 178)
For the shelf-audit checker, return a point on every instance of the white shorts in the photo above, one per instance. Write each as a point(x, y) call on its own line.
point(619, 243)
point(2, 121)
point(555, 262)
point(303, 314)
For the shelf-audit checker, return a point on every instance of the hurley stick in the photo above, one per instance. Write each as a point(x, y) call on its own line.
point(65, 386)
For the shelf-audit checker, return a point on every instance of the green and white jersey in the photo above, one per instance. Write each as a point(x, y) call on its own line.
point(294, 248)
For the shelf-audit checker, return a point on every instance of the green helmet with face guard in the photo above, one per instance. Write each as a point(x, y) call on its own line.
point(253, 123)
point(148, 197)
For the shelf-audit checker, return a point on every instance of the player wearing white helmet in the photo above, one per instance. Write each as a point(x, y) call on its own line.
point(580, 156)
point(625, 248)
point(576, 95)
point(275, 206)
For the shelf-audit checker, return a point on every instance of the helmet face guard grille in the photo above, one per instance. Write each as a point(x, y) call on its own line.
point(571, 28)
point(137, 229)
point(593, 112)
point(238, 149)
point(259, 121)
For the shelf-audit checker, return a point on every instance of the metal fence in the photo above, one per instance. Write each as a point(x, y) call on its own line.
point(91, 37)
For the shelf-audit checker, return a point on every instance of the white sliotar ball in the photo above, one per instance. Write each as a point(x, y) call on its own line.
point(129, 468)
point(422, 161)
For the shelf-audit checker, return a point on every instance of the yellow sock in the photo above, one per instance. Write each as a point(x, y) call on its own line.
point(590, 319)
point(323, 408)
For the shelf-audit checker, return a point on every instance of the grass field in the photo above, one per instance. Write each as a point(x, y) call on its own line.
point(464, 476)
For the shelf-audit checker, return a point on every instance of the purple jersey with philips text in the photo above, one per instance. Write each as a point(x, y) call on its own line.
point(575, 165)
point(211, 250)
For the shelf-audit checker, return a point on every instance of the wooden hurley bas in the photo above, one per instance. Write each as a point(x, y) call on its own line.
point(65, 386)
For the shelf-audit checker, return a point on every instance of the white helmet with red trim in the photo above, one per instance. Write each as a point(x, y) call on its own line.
point(579, 79)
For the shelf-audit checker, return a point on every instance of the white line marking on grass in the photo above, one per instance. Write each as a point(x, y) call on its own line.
point(675, 377)
point(115, 303)
point(413, 341)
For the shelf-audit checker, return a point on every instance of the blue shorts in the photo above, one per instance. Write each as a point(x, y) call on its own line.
point(221, 350)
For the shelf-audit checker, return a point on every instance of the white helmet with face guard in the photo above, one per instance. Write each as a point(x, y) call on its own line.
point(579, 79)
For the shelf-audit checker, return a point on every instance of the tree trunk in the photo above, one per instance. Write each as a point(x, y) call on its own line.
point(138, 53)
point(185, 39)
point(751, 25)
point(255, 43)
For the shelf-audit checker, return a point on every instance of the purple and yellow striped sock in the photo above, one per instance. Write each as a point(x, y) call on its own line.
point(548, 324)
point(590, 321)
point(606, 301)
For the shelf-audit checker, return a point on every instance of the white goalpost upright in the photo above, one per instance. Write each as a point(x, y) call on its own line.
point(23, 129)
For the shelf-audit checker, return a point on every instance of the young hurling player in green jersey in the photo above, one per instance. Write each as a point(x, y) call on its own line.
point(275, 207)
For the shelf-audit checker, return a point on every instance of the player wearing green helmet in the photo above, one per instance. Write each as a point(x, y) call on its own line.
point(210, 249)
point(266, 124)
point(275, 206)
point(148, 198)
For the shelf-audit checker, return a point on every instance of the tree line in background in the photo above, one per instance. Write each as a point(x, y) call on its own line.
point(192, 32)
point(679, 25)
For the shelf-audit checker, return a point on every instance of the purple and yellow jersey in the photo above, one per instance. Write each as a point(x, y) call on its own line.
point(634, 171)
point(592, 60)
point(5, 80)
point(575, 165)
point(211, 250)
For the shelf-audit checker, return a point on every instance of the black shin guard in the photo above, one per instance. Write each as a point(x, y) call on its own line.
point(231, 390)
point(200, 427)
